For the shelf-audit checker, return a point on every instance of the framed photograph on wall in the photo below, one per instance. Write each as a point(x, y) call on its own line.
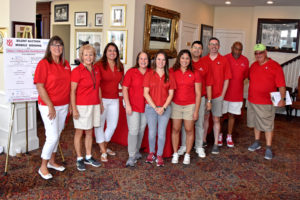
point(280, 35)
point(3, 34)
point(119, 37)
point(160, 29)
point(61, 13)
point(88, 36)
point(80, 18)
point(206, 34)
point(99, 19)
point(23, 30)
point(118, 15)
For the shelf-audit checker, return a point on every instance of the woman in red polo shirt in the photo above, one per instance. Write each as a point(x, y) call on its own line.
point(159, 88)
point(52, 79)
point(85, 101)
point(112, 72)
point(133, 91)
point(186, 103)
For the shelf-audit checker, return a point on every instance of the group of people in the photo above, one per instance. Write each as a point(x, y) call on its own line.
point(187, 93)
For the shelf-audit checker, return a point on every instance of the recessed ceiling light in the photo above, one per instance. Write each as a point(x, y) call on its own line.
point(270, 2)
point(227, 2)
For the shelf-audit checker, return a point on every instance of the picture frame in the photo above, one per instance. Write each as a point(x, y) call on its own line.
point(206, 34)
point(279, 35)
point(99, 19)
point(3, 34)
point(119, 37)
point(80, 19)
point(118, 15)
point(23, 29)
point(90, 36)
point(160, 30)
point(61, 13)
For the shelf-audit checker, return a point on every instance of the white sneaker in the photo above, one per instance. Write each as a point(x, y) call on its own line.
point(200, 152)
point(181, 150)
point(175, 158)
point(187, 159)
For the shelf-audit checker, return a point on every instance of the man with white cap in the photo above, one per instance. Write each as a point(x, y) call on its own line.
point(265, 76)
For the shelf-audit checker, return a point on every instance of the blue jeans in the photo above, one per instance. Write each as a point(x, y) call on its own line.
point(155, 122)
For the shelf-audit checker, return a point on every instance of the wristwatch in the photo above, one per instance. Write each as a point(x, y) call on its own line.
point(284, 99)
point(209, 101)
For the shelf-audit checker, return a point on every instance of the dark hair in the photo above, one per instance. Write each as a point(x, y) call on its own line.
point(166, 67)
point(214, 38)
point(138, 57)
point(197, 42)
point(177, 62)
point(117, 60)
point(48, 55)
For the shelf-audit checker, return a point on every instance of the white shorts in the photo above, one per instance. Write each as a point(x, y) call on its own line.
point(232, 107)
point(89, 117)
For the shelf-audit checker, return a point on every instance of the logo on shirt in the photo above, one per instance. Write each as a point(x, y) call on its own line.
point(200, 69)
point(243, 65)
point(190, 75)
point(66, 67)
point(218, 63)
point(266, 67)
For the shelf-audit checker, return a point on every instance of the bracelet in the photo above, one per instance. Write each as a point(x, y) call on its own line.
point(164, 109)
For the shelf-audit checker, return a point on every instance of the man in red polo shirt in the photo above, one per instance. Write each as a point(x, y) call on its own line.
point(265, 76)
point(221, 74)
point(233, 100)
point(206, 76)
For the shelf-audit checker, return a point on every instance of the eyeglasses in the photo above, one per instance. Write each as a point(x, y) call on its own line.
point(197, 48)
point(57, 45)
point(259, 53)
point(213, 44)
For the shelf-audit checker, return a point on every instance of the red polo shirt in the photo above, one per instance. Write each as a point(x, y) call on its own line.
point(239, 69)
point(220, 72)
point(134, 81)
point(110, 81)
point(205, 73)
point(88, 83)
point(264, 79)
point(185, 86)
point(158, 89)
point(56, 79)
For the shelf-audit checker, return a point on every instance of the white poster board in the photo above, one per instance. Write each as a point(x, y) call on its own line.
point(21, 57)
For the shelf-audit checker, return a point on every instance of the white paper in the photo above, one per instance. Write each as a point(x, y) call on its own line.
point(21, 57)
point(275, 98)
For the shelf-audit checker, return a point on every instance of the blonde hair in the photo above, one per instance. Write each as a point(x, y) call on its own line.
point(87, 47)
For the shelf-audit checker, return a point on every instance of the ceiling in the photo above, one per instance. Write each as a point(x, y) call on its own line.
point(253, 2)
point(241, 2)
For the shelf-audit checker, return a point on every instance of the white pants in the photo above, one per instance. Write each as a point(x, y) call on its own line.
point(111, 115)
point(53, 128)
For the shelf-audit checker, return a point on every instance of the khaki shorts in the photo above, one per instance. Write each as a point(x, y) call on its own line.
point(216, 105)
point(182, 112)
point(261, 117)
point(89, 117)
point(232, 107)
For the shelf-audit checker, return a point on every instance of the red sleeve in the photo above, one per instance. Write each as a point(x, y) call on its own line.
point(41, 71)
point(147, 79)
point(279, 80)
point(227, 70)
point(198, 78)
point(172, 82)
point(247, 69)
point(127, 78)
point(75, 75)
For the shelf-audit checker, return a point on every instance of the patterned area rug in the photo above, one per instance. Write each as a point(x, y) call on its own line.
point(235, 173)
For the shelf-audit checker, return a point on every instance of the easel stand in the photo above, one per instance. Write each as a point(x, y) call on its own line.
point(10, 133)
